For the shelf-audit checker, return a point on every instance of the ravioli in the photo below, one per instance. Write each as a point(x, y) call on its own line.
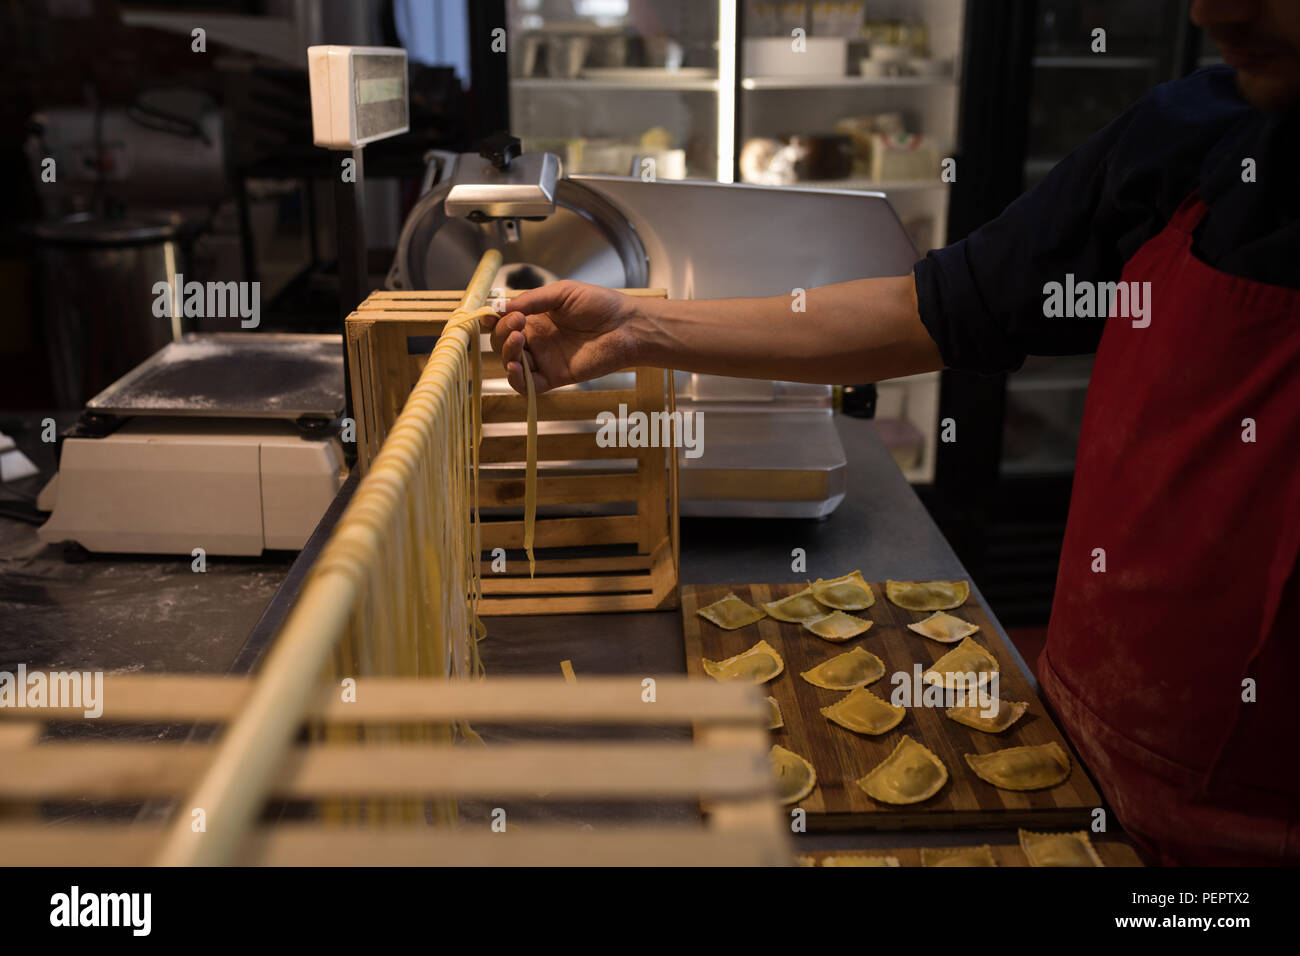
point(1008, 712)
point(943, 627)
point(730, 613)
point(1022, 768)
point(848, 593)
point(796, 608)
point(910, 774)
point(1059, 849)
point(855, 668)
point(863, 712)
point(928, 595)
point(758, 665)
point(958, 856)
point(837, 626)
point(795, 776)
point(860, 861)
point(968, 665)
point(775, 720)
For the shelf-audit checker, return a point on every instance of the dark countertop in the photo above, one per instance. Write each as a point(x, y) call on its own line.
point(64, 608)
point(131, 613)
point(881, 528)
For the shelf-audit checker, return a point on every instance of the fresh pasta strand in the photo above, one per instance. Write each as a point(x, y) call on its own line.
point(530, 480)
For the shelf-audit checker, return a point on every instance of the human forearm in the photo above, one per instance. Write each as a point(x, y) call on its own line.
point(860, 331)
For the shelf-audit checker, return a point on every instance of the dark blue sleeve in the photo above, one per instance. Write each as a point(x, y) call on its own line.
point(981, 298)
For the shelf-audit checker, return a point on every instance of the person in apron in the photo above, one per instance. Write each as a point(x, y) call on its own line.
point(1174, 638)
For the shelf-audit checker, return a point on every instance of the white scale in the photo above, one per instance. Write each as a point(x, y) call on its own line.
point(228, 442)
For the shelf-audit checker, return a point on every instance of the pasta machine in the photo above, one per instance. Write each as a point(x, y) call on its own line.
point(770, 449)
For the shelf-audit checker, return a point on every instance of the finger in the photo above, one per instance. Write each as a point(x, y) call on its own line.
point(515, 376)
point(536, 301)
point(487, 323)
point(511, 322)
point(513, 347)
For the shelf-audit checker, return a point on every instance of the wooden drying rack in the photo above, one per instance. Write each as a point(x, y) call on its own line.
point(628, 562)
point(726, 765)
point(402, 759)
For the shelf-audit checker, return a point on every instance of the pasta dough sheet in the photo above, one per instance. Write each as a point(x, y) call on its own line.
point(1059, 849)
point(837, 626)
point(731, 613)
point(1008, 712)
point(859, 861)
point(758, 665)
point(855, 668)
point(847, 593)
point(943, 627)
point(968, 665)
point(795, 776)
point(910, 774)
point(863, 712)
point(1022, 768)
point(928, 595)
point(796, 608)
point(958, 856)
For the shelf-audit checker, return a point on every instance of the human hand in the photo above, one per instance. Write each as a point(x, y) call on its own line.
point(571, 331)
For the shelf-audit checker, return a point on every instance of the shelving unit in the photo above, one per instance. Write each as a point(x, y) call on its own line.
point(836, 82)
point(711, 117)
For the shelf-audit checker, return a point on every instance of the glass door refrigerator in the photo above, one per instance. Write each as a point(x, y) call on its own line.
point(1041, 78)
point(625, 87)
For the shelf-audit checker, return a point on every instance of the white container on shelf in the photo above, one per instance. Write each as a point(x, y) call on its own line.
point(776, 56)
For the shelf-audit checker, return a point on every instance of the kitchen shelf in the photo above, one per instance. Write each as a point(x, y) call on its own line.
point(833, 82)
point(668, 85)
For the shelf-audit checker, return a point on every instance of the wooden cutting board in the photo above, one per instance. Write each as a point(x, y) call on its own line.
point(841, 757)
point(1112, 853)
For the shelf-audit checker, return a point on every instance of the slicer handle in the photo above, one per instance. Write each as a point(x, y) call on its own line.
point(500, 148)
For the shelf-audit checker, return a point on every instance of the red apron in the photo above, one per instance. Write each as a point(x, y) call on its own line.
point(1145, 662)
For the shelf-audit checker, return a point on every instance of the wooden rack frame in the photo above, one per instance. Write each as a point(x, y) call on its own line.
point(628, 562)
point(391, 602)
point(726, 765)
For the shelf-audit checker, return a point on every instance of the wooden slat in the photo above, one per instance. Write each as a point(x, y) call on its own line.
point(384, 372)
point(1112, 853)
point(562, 532)
point(565, 490)
point(557, 406)
point(586, 770)
point(571, 446)
point(30, 844)
point(21, 733)
point(611, 583)
point(652, 468)
point(491, 606)
point(841, 757)
point(184, 698)
point(545, 566)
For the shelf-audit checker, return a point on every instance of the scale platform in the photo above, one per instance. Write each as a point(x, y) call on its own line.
point(233, 375)
point(222, 442)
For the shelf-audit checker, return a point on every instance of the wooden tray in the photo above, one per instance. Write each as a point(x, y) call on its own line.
point(606, 536)
point(1112, 853)
point(841, 757)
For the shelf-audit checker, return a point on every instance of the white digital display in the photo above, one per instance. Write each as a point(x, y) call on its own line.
point(379, 89)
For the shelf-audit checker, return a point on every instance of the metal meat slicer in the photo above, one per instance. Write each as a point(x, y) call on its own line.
point(770, 448)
